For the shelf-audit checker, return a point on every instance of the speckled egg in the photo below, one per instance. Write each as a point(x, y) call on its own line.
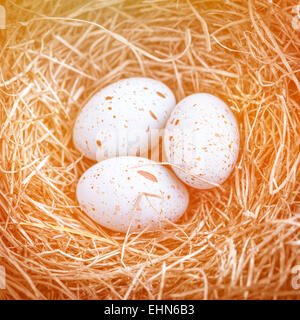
point(201, 141)
point(134, 192)
point(118, 120)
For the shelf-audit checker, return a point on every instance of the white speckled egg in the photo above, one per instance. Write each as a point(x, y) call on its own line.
point(202, 140)
point(117, 120)
point(131, 191)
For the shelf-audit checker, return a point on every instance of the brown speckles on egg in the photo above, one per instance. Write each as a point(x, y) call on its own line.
point(152, 115)
point(147, 175)
point(120, 196)
point(130, 99)
point(201, 139)
point(160, 94)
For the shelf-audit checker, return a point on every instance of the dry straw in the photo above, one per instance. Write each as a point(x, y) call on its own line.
point(240, 241)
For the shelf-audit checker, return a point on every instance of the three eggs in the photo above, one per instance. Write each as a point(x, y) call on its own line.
point(132, 119)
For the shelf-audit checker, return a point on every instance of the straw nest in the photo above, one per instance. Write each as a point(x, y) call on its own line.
point(240, 241)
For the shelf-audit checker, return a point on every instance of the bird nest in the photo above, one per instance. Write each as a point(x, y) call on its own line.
point(237, 241)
